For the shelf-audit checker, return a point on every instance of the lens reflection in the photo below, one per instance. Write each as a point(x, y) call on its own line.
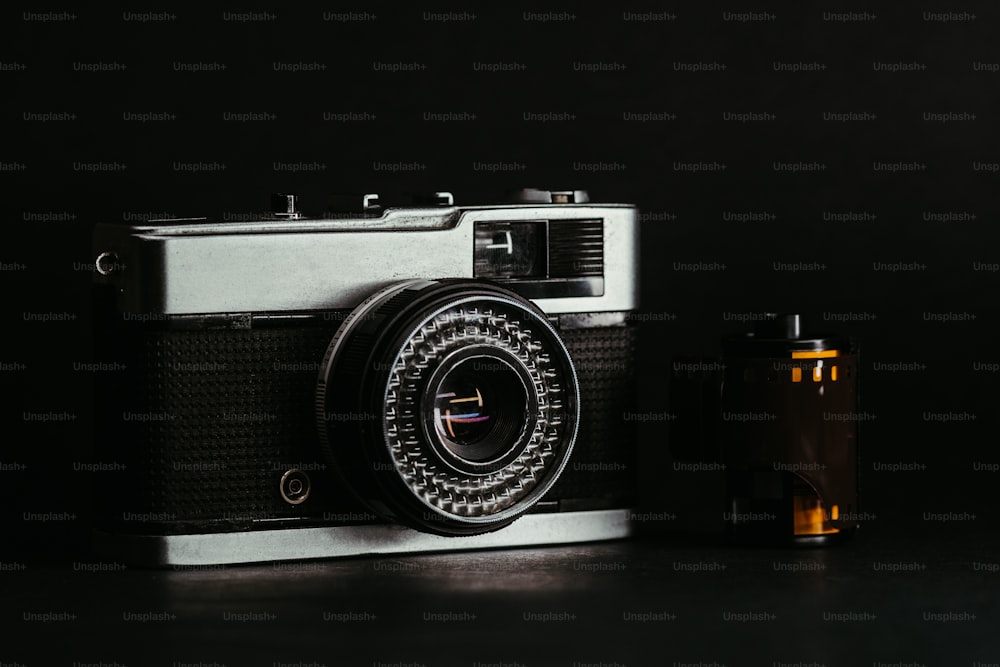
point(480, 408)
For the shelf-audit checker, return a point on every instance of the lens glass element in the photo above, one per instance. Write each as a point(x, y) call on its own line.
point(479, 405)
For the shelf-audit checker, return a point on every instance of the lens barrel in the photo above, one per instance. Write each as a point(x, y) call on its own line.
point(450, 406)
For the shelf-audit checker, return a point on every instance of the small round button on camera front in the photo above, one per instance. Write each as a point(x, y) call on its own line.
point(108, 263)
point(295, 486)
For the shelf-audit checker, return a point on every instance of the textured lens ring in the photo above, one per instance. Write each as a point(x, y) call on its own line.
point(473, 321)
point(379, 348)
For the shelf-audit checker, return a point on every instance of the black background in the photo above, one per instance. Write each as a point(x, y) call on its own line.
point(900, 259)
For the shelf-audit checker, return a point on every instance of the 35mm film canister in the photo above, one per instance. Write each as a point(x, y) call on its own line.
point(789, 434)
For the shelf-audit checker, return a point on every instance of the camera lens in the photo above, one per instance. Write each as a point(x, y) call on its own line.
point(451, 406)
point(478, 408)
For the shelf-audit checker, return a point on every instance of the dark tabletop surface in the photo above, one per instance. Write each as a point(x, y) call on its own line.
point(881, 599)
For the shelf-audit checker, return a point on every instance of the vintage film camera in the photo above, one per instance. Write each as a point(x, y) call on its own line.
point(376, 380)
point(777, 414)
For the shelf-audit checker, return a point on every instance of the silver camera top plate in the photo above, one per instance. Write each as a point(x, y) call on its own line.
point(197, 266)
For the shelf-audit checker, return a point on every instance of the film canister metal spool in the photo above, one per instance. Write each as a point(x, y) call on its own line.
point(789, 434)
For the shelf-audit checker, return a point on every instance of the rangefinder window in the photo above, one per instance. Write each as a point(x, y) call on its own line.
point(511, 249)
